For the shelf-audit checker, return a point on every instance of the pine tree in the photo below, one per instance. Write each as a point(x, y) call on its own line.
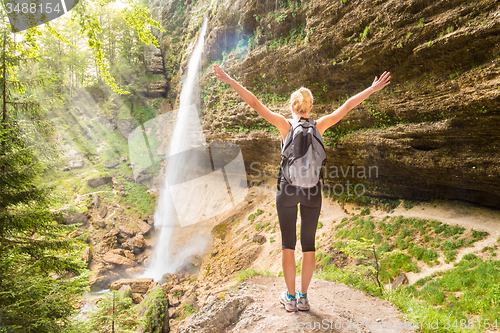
point(40, 270)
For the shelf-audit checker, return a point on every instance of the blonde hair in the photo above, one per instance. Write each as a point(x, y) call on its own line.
point(301, 100)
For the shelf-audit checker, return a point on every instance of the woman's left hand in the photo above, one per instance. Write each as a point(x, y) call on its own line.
point(221, 75)
point(382, 81)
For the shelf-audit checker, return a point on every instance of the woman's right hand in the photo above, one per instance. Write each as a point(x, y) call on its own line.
point(221, 75)
point(381, 82)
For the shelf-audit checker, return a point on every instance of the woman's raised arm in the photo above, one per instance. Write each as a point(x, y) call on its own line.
point(274, 118)
point(326, 121)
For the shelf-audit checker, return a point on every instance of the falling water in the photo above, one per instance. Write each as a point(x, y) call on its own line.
point(187, 134)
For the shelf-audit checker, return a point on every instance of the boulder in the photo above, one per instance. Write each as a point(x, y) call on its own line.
point(103, 211)
point(153, 285)
point(72, 158)
point(96, 182)
point(101, 278)
point(118, 259)
point(139, 285)
point(138, 243)
point(217, 315)
point(99, 223)
point(173, 300)
point(137, 298)
point(133, 271)
point(87, 255)
point(125, 288)
point(192, 301)
point(126, 230)
point(74, 218)
point(129, 254)
point(167, 278)
point(97, 200)
point(111, 165)
point(112, 239)
point(261, 239)
point(401, 279)
point(143, 227)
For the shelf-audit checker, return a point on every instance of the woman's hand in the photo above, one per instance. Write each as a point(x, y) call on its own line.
point(221, 75)
point(382, 82)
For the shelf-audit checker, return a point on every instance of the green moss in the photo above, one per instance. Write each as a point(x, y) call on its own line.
point(156, 306)
point(219, 231)
point(325, 260)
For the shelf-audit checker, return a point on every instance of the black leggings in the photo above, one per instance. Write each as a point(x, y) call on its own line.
point(287, 199)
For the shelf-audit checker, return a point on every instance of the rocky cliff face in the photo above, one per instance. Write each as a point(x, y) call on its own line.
point(431, 134)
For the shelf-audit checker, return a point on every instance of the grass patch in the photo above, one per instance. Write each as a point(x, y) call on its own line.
point(260, 226)
point(245, 274)
point(478, 280)
point(185, 311)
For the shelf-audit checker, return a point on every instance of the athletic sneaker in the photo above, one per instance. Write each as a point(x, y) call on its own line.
point(289, 303)
point(302, 303)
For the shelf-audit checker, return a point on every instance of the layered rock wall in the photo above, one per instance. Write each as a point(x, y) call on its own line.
point(431, 134)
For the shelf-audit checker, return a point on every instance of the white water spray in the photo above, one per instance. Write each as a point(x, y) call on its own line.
point(187, 134)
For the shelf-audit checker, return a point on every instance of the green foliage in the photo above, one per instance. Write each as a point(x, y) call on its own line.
point(155, 307)
point(244, 274)
point(371, 258)
point(478, 282)
point(259, 211)
point(353, 278)
point(185, 311)
point(364, 34)
point(136, 17)
point(479, 235)
point(421, 22)
point(482, 110)
point(421, 313)
point(325, 260)
point(282, 18)
point(407, 204)
point(260, 226)
point(423, 254)
point(115, 309)
point(41, 273)
point(360, 229)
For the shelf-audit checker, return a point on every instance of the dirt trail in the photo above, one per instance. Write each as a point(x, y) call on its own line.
point(332, 305)
point(254, 306)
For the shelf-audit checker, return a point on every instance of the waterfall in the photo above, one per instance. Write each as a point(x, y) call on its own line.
point(187, 134)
